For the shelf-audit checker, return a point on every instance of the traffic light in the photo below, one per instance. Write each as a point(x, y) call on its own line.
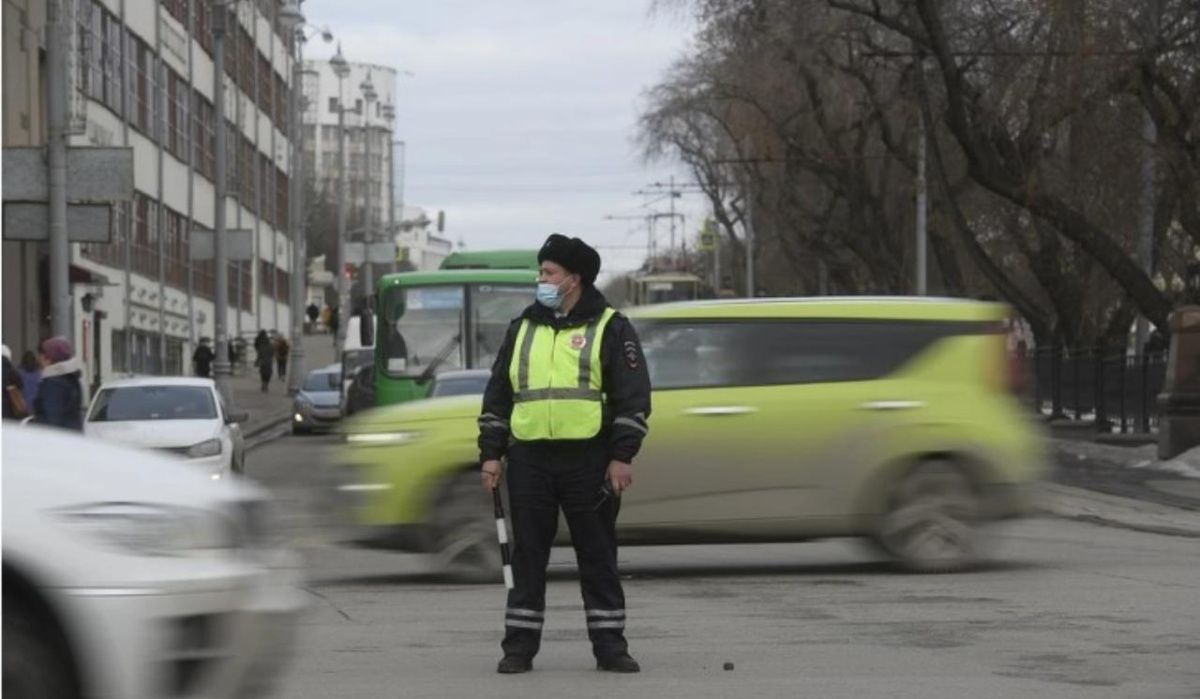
point(349, 270)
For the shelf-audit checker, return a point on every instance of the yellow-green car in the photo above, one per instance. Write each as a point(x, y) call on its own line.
point(891, 419)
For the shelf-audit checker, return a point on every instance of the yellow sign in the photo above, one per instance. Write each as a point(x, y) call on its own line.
point(708, 235)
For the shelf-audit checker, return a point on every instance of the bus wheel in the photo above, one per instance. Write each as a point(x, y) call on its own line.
point(465, 531)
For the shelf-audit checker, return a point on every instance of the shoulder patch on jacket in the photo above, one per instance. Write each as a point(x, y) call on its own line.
point(630, 350)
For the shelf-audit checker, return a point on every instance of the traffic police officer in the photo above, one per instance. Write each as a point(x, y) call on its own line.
point(567, 405)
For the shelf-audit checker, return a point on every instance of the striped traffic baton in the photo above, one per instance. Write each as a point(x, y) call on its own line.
point(502, 535)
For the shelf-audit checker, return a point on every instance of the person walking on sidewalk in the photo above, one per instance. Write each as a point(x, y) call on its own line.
point(263, 354)
point(13, 399)
point(202, 359)
point(31, 376)
point(281, 355)
point(567, 404)
point(60, 396)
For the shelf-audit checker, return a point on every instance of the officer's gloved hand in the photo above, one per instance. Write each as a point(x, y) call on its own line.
point(489, 473)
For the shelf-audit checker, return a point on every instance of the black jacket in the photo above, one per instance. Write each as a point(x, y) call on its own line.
point(625, 379)
point(60, 396)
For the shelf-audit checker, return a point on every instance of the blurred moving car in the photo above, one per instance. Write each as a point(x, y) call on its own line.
point(318, 404)
point(890, 419)
point(465, 382)
point(178, 415)
point(127, 574)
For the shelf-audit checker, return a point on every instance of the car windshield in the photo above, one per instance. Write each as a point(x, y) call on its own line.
point(459, 386)
point(319, 381)
point(154, 403)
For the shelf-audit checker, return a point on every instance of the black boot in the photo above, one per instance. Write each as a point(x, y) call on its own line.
point(514, 664)
point(618, 663)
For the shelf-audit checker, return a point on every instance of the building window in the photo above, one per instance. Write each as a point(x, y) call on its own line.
point(113, 34)
point(333, 106)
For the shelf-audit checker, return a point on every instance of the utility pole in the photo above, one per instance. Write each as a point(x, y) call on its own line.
point(368, 269)
point(342, 70)
point(56, 114)
point(389, 113)
point(749, 223)
point(221, 368)
point(295, 198)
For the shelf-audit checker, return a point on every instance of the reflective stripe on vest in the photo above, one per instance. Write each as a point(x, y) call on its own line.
point(557, 381)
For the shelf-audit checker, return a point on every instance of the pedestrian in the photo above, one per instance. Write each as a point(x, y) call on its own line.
point(263, 353)
point(12, 403)
point(31, 375)
point(326, 316)
point(60, 395)
point(334, 319)
point(566, 406)
point(281, 355)
point(313, 313)
point(202, 359)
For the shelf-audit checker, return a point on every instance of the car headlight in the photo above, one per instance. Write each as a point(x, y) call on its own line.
point(381, 439)
point(209, 447)
point(152, 530)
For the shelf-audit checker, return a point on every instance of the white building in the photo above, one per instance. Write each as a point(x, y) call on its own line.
point(144, 77)
point(419, 244)
point(369, 127)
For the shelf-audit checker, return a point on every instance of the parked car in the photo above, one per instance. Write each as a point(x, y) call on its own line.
point(890, 419)
point(128, 574)
point(318, 406)
point(181, 416)
point(465, 382)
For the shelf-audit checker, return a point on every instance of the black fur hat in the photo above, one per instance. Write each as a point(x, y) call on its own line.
point(573, 254)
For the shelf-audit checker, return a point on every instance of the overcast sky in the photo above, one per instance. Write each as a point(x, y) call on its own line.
point(520, 118)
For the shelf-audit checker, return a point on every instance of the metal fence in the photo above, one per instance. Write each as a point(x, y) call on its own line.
point(1116, 390)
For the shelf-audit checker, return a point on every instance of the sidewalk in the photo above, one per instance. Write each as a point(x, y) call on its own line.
point(1129, 472)
point(270, 409)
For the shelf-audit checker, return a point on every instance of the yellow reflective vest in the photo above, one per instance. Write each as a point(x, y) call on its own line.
point(557, 381)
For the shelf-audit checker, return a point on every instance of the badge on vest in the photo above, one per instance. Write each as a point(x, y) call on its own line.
point(578, 342)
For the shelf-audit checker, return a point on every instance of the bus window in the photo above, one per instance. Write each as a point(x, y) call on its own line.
point(423, 324)
point(493, 308)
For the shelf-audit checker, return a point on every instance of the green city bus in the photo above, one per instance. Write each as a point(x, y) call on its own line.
point(449, 319)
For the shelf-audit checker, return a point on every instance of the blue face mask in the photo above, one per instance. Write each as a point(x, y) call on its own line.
point(548, 295)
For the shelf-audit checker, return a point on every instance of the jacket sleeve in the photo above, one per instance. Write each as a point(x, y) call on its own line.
point(52, 403)
point(627, 384)
point(498, 402)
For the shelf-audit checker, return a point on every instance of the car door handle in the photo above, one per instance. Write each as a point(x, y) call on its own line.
point(883, 405)
point(718, 410)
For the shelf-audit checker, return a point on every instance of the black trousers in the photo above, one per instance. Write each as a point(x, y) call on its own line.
point(542, 477)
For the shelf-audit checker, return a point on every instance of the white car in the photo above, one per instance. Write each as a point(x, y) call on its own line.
point(180, 416)
point(129, 575)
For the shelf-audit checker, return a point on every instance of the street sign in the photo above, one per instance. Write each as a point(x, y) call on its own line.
point(380, 253)
point(86, 223)
point(708, 236)
point(93, 175)
point(239, 245)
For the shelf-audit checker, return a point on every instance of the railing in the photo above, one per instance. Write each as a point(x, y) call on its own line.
point(1114, 390)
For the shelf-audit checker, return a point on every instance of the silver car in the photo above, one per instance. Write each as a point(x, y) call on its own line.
point(318, 405)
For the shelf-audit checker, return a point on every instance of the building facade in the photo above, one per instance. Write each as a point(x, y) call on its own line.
point(370, 132)
point(143, 77)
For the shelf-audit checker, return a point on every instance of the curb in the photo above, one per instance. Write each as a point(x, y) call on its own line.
point(1077, 504)
point(268, 424)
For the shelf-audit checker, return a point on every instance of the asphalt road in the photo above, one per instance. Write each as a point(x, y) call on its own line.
point(1066, 609)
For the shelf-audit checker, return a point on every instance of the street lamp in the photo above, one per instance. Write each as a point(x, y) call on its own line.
point(369, 97)
point(342, 70)
point(221, 367)
point(293, 20)
point(389, 115)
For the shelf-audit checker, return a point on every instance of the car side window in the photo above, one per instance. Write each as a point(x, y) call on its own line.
point(769, 352)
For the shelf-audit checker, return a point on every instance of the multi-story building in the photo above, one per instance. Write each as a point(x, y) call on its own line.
point(418, 240)
point(369, 131)
point(143, 77)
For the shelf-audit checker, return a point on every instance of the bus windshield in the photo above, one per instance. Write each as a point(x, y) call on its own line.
point(450, 326)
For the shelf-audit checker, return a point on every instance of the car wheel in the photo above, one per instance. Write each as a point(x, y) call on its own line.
point(465, 531)
point(33, 660)
point(931, 522)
